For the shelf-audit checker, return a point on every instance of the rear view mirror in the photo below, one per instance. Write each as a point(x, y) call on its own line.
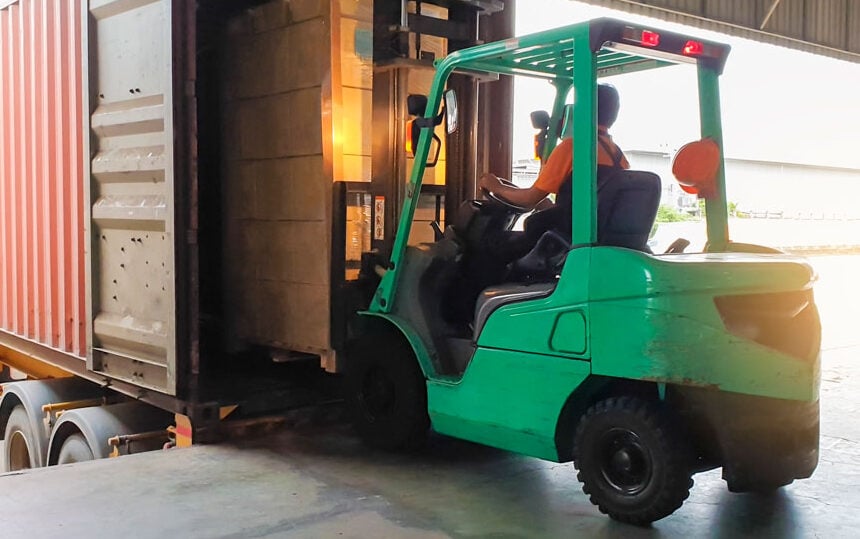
point(540, 119)
point(416, 104)
point(413, 131)
point(451, 111)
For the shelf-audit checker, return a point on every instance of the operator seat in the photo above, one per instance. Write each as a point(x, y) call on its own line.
point(627, 202)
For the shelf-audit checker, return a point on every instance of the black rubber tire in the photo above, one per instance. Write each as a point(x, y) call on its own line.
point(19, 448)
point(75, 449)
point(387, 393)
point(632, 460)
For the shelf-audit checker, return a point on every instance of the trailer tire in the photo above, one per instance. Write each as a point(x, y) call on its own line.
point(387, 393)
point(75, 449)
point(19, 450)
point(633, 462)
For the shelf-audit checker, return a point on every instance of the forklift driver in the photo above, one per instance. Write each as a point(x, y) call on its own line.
point(556, 177)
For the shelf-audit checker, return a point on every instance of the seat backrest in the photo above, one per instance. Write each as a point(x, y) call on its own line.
point(627, 202)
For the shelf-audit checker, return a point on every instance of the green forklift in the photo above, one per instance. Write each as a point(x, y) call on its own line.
point(641, 368)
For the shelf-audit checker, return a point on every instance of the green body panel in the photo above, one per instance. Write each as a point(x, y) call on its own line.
point(529, 326)
point(570, 333)
point(508, 400)
point(654, 318)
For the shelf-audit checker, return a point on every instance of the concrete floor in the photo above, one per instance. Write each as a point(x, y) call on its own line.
point(315, 480)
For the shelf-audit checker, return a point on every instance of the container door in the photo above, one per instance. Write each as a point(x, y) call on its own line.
point(130, 111)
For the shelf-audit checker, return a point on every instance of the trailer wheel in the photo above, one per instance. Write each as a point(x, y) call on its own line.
point(75, 449)
point(20, 447)
point(632, 461)
point(387, 393)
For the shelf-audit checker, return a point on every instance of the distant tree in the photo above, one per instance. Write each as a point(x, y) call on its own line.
point(668, 214)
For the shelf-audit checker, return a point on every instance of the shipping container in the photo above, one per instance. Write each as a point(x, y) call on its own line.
point(101, 234)
point(188, 190)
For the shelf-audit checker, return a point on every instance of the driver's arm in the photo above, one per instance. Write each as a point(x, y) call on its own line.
point(526, 198)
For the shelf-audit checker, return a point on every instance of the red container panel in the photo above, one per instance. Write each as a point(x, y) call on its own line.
point(42, 293)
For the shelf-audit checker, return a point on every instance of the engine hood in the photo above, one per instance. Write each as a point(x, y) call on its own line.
point(619, 273)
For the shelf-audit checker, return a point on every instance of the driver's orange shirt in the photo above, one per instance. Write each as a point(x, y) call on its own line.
point(559, 166)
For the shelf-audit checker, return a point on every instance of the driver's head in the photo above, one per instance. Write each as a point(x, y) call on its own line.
point(608, 104)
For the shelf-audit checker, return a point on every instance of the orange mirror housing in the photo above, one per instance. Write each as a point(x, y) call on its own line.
point(695, 166)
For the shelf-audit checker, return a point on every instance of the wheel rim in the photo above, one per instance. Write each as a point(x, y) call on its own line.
point(19, 451)
point(378, 395)
point(625, 463)
point(75, 449)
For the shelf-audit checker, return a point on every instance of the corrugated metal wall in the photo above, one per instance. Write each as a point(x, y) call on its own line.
point(41, 168)
point(826, 27)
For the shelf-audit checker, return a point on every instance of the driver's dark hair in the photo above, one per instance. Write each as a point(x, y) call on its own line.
point(608, 103)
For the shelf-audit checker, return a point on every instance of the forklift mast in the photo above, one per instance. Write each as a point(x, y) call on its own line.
point(407, 38)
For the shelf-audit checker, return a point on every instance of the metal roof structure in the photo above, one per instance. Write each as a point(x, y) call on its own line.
point(550, 53)
point(825, 27)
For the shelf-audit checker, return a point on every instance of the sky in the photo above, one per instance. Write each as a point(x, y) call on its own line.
point(778, 104)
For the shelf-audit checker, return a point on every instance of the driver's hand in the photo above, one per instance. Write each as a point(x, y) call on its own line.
point(544, 204)
point(489, 181)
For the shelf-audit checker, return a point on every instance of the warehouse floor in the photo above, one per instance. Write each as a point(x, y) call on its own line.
point(315, 480)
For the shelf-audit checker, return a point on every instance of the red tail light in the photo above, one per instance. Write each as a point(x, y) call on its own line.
point(694, 48)
point(649, 38)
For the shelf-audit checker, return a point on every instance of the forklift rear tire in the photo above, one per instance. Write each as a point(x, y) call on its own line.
point(387, 393)
point(632, 460)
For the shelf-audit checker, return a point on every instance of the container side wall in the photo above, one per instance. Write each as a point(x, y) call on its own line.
point(41, 175)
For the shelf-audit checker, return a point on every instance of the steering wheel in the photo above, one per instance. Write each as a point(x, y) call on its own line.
point(508, 205)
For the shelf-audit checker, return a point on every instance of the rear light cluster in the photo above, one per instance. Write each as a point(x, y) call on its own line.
point(784, 321)
point(652, 39)
point(649, 38)
point(693, 48)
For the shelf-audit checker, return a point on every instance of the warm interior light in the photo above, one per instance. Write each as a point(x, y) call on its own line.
point(693, 48)
point(649, 38)
point(409, 143)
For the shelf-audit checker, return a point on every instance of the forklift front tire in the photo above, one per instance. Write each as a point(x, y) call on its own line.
point(632, 461)
point(387, 393)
